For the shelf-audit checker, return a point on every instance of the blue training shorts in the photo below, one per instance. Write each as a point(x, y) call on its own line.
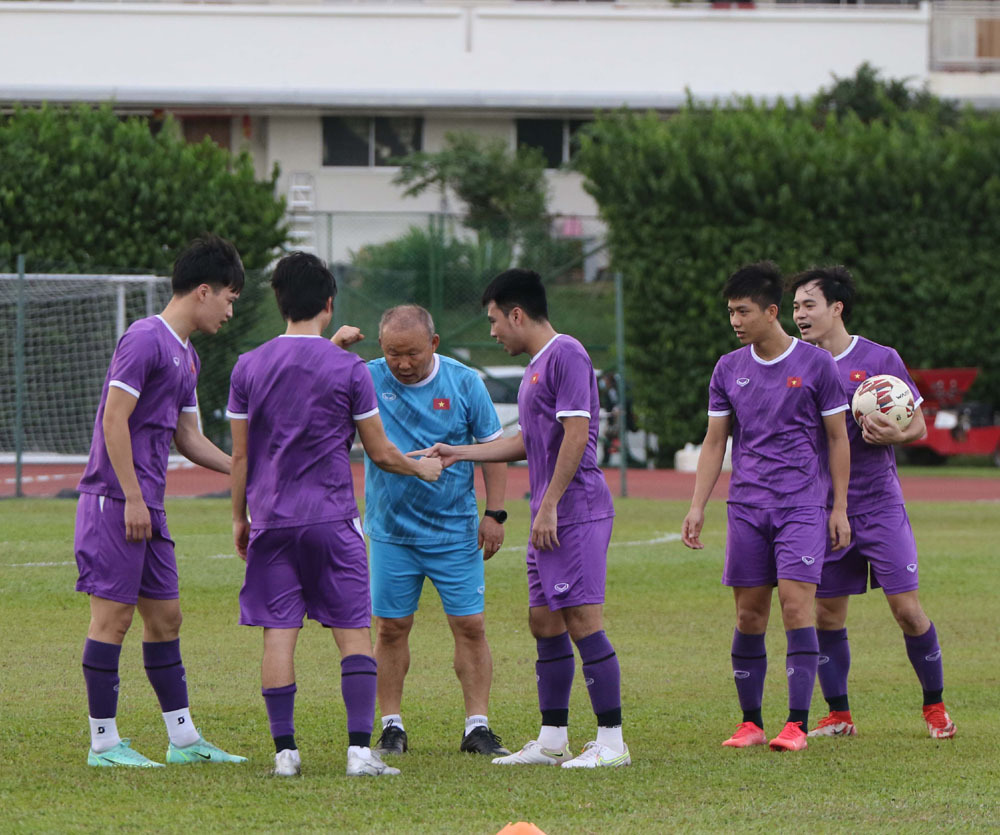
point(398, 571)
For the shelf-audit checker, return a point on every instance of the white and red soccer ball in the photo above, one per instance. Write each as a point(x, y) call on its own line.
point(886, 394)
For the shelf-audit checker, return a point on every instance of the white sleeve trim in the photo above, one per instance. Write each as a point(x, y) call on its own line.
point(190, 408)
point(488, 438)
point(237, 415)
point(842, 408)
point(576, 413)
point(118, 384)
point(717, 413)
point(918, 401)
point(372, 413)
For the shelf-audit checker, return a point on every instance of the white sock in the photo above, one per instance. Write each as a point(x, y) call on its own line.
point(180, 728)
point(474, 722)
point(554, 737)
point(396, 720)
point(611, 738)
point(103, 734)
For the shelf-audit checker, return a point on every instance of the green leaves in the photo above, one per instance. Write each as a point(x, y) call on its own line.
point(906, 199)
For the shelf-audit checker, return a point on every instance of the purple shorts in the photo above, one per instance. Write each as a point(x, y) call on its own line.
point(113, 568)
point(765, 544)
point(319, 571)
point(574, 573)
point(882, 545)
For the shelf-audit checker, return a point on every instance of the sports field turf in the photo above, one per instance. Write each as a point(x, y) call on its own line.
point(671, 623)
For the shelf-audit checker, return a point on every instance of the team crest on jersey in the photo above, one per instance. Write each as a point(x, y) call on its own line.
point(442, 403)
point(794, 382)
point(177, 361)
point(388, 396)
point(858, 376)
point(534, 378)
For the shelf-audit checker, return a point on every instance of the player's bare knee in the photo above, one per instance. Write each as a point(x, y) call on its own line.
point(392, 630)
point(470, 629)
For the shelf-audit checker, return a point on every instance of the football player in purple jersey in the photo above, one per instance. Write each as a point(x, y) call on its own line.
point(882, 542)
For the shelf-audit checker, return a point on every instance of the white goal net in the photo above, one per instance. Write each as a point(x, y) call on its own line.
point(57, 335)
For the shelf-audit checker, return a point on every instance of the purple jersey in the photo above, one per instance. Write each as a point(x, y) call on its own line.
point(301, 396)
point(874, 481)
point(559, 382)
point(777, 406)
point(160, 370)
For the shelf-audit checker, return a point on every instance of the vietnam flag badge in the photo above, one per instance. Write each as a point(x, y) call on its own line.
point(794, 382)
point(442, 403)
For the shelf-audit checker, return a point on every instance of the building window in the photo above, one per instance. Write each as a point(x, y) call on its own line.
point(370, 141)
point(555, 138)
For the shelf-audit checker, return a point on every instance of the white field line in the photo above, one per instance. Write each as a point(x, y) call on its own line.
point(659, 540)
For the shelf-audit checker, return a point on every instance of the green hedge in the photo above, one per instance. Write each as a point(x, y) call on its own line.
point(910, 205)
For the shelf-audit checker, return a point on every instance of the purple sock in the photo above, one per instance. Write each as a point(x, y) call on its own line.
point(800, 666)
point(602, 674)
point(166, 673)
point(834, 665)
point(100, 674)
point(280, 704)
point(749, 655)
point(925, 656)
point(357, 686)
point(554, 672)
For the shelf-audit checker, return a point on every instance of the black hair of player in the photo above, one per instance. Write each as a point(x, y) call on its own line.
point(208, 260)
point(835, 283)
point(518, 288)
point(302, 286)
point(760, 282)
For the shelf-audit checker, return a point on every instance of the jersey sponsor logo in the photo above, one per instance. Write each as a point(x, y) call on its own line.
point(789, 671)
point(912, 568)
point(934, 656)
point(823, 659)
point(388, 395)
point(743, 381)
point(741, 674)
point(858, 376)
point(442, 404)
point(534, 378)
point(177, 361)
point(561, 587)
point(794, 382)
point(588, 681)
point(808, 560)
point(481, 590)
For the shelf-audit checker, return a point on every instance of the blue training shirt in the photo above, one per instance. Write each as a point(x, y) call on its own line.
point(450, 405)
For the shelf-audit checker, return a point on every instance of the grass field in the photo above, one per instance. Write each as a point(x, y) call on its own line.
point(670, 621)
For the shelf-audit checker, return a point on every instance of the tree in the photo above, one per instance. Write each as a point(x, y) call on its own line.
point(505, 194)
point(83, 190)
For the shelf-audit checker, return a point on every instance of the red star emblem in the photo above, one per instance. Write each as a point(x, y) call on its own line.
point(858, 376)
point(442, 403)
point(795, 382)
point(534, 378)
point(192, 367)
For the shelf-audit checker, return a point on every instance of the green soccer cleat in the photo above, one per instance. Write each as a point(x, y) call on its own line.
point(121, 754)
point(200, 752)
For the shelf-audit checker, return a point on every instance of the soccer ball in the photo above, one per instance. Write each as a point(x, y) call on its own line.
point(886, 394)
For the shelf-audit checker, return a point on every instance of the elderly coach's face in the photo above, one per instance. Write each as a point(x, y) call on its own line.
point(409, 352)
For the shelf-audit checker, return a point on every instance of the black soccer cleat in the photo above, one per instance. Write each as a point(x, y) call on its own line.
point(392, 741)
point(481, 740)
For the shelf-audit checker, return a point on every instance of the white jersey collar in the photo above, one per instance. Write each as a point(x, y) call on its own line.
point(173, 333)
point(544, 348)
point(847, 350)
point(776, 360)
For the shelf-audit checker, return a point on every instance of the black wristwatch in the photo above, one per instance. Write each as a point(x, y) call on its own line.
point(499, 515)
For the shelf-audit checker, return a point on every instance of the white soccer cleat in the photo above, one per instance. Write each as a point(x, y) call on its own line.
point(287, 763)
point(363, 762)
point(595, 755)
point(534, 754)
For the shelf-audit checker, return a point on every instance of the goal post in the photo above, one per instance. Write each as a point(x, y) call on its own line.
point(57, 335)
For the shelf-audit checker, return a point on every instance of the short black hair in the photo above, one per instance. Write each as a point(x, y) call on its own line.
point(302, 285)
point(208, 260)
point(518, 288)
point(835, 283)
point(760, 282)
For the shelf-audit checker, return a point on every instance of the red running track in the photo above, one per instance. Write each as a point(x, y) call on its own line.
point(189, 480)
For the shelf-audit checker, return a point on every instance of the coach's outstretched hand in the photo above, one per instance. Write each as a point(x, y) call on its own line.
point(445, 453)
